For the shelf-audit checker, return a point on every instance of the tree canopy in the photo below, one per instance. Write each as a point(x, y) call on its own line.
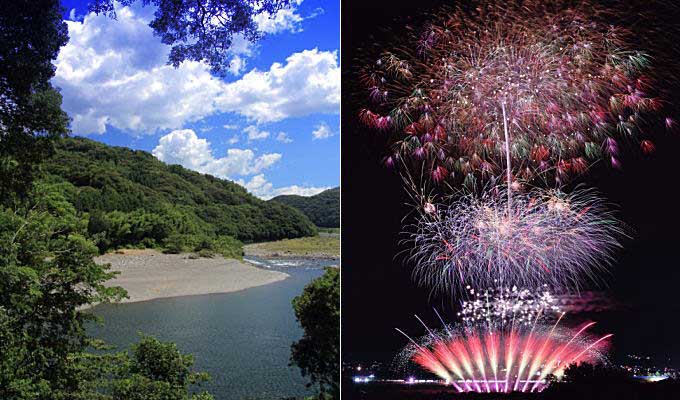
point(31, 33)
point(47, 274)
point(149, 370)
point(322, 209)
point(130, 198)
point(317, 353)
point(201, 30)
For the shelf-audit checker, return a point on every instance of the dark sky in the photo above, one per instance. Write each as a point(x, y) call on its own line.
point(377, 292)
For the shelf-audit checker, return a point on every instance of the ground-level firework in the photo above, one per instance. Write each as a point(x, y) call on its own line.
point(542, 237)
point(515, 358)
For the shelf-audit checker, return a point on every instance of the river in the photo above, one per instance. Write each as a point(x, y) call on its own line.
point(242, 339)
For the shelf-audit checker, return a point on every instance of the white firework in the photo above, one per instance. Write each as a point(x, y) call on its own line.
point(540, 237)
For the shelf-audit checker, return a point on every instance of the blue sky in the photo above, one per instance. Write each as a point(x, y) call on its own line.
point(272, 124)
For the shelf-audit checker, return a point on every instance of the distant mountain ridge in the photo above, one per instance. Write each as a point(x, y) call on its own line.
point(322, 209)
point(129, 197)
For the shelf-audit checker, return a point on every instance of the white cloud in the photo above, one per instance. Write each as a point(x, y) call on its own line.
point(286, 19)
point(283, 137)
point(260, 187)
point(230, 126)
point(233, 139)
point(114, 73)
point(322, 131)
point(185, 148)
point(308, 83)
point(318, 11)
point(237, 65)
point(254, 133)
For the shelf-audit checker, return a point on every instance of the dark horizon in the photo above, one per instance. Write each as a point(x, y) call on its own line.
point(378, 293)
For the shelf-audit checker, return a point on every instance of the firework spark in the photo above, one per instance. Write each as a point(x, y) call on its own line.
point(498, 307)
point(542, 237)
point(517, 358)
point(525, 89)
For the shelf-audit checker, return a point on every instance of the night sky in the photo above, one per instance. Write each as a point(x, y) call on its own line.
point(377, 292)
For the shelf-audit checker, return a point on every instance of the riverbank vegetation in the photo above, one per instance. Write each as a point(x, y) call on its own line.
point(131, 199)
point(321, 246)
point(317, 353)
point(322, 209)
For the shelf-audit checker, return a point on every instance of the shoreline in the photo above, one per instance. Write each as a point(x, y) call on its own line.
point(263, 250)
point(276, 255)
point(149, 275)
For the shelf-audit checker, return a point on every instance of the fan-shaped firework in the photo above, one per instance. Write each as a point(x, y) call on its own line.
point(536, 85)
point(542, 237)
point(498, 307)
point(516, 358)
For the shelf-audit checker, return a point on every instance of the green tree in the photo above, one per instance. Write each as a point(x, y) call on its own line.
point(31, 33)
point(133, 199)
point(151, 370)
point(47, 274)
point(159, 371)
point(317, 353)
point(201, 30)
point(322, 209)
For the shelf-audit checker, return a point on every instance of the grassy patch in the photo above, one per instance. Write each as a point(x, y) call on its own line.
point(303, 246)
point(332, 231)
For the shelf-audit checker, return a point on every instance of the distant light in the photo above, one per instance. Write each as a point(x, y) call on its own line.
point(651, 378)
point(363, 379)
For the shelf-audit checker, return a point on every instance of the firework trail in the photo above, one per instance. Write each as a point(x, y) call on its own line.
point(544, 237)
point(516, 357)
point(518, 90)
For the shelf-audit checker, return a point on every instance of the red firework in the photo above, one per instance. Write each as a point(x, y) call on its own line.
point(507, 359)
point(526, 89)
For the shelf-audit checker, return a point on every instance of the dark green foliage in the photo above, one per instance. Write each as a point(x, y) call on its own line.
point(318, 352)
point(130, 198)
point(201, 30)
point(322, 209)
point(46, 275)
point(160, 362)
point(152, 370)
point(31, 33)
point(46, 268)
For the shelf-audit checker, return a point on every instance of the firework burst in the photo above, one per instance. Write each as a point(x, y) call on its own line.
point(522, 90)
point(515, 358)
point(499, 307)
point(542, 237)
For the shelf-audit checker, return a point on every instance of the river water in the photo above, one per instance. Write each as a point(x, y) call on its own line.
point(241, 339)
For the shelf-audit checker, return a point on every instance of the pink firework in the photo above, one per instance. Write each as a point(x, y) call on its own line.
point(516, 90)
point(510, 359)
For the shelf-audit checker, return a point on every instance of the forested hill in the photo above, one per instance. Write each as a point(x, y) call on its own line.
point(323, 209)
point(131, 198)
